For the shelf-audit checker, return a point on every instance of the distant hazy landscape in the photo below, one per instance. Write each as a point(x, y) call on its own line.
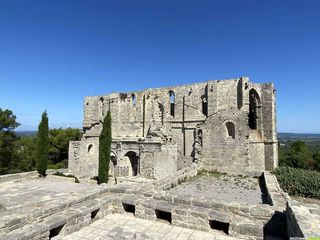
point(311, 139)
point(26, 133)
point(280, 135)
point(298, 135)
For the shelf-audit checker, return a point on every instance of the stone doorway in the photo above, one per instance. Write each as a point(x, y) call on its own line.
point(134, 162)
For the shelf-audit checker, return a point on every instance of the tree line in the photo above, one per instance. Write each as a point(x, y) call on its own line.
point(49, 149)
point(20, 154)
point(298, 154)
point(299, 169)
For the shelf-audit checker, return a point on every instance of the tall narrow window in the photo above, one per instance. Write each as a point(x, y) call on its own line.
point(134, 99)
point(231, 130)
point(172, 102)
point(90, 148)
point(254, 101)
point(204, 105)
point(204, 100)
point(102, 106)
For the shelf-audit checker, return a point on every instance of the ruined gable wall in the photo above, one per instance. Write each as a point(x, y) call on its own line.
point(221, 151)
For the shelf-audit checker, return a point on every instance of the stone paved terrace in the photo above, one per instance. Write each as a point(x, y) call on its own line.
point(120, 226)
point(222, 188)
point(27, 194)
point(57, 207)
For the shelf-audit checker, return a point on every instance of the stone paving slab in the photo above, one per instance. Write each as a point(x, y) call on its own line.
point(35, 193)
point(126, 226)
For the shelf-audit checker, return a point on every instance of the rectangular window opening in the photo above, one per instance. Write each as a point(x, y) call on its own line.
point(172, 109)
point(129, 208)
point(55, 231)
point(163, 215)
point(221, 226)
point(94, 213)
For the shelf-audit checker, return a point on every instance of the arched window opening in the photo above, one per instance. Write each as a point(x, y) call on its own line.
point(90, 148)
point(204, 105)
point(172, 102)
point(112, 164)
point(231, 130)
point(113, 158)
point(254, 101)
point(102, 106)
point(134, 99)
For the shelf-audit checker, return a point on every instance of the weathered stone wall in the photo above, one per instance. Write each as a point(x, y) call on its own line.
point(303, 220)
point(204, 122)
point(83, 157)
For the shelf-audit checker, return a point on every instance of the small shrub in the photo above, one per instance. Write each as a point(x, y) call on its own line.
point(299, 182)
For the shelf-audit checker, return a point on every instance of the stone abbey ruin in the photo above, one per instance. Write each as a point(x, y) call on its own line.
point(187, 162)
point(225, 125)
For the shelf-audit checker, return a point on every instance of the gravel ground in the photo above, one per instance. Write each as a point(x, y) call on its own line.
point(222, 188)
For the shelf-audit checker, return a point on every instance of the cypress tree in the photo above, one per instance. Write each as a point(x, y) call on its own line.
point(105, 149)
point(43, 145)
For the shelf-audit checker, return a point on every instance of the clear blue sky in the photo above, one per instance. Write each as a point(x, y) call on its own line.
point(54, 53)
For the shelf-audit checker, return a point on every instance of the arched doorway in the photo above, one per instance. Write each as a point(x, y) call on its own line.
point(134, 162)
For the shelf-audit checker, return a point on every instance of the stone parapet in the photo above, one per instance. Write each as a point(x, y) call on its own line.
point(27, 175)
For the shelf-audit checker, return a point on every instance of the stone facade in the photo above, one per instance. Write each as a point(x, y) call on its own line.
point(224, 125)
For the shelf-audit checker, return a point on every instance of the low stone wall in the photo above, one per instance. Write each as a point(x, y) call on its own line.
point(243, 221)
point(276, 196)
point(18, 176)
point(11, 221)
point(303, 220)
point(26, 175)
point(179, 176)
point(64, 222)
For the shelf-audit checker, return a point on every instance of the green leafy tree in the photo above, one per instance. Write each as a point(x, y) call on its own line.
point(105, 149)
point(43, 145)
point(8, 151)
point(28, 156)
point(317, 160)
point(59, 145)
point(296, 156)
